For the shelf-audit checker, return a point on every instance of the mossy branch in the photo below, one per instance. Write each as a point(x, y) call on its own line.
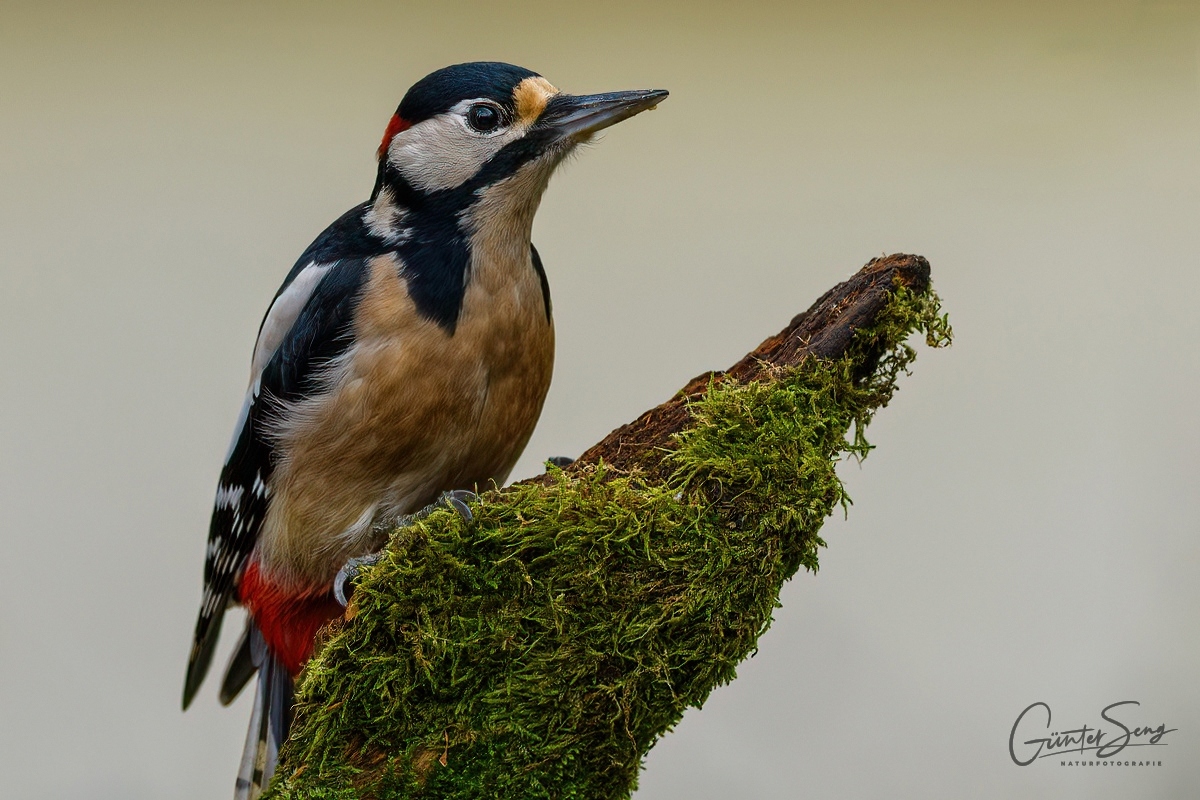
point(541, 650)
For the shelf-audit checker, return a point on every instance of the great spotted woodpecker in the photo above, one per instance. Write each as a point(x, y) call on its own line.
point(406, 355)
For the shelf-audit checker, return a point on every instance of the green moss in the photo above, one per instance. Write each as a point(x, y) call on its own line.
point(540, 651)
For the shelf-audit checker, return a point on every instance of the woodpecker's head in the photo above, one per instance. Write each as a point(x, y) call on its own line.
point(469, 127)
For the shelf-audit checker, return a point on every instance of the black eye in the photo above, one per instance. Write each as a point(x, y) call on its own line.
point(483, 118)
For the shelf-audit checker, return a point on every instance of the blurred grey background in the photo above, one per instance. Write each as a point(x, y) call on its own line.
point(1025, 531)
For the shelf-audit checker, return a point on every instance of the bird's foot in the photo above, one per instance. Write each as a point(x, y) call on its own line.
point(348, 576)
point(455, 500)
point(350, 573)
point(561, 462)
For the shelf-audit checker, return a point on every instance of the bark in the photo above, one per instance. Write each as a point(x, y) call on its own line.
point(825, 330)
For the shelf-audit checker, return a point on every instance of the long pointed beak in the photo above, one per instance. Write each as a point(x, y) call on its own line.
point(580, 116)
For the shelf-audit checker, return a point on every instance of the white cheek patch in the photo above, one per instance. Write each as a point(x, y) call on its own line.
point(443, 152)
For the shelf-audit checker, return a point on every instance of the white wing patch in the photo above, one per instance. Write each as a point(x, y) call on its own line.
point(282, 316)
point(279, 320)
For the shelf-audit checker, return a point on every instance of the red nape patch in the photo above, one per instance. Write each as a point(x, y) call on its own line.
point(289, 621)
point(395, 125)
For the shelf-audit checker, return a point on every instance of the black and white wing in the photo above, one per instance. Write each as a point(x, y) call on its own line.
point(306, 326)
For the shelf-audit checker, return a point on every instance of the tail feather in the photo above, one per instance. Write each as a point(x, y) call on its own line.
point(240, 670)
point(269, 721)
point(208, 631)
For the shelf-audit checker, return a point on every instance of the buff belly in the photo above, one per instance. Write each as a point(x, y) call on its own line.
point(412, 410)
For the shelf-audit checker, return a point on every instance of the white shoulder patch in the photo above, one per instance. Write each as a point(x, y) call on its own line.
point(279, 320)
point(283, 314)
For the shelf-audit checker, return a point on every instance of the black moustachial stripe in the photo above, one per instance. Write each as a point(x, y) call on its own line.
point(436, 253)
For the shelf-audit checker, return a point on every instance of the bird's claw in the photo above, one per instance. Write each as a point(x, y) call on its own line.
point(455, 500)
point(348, 576)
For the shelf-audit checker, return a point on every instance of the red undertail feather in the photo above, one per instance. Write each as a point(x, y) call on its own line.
point(289, 621)
point(395, 125)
